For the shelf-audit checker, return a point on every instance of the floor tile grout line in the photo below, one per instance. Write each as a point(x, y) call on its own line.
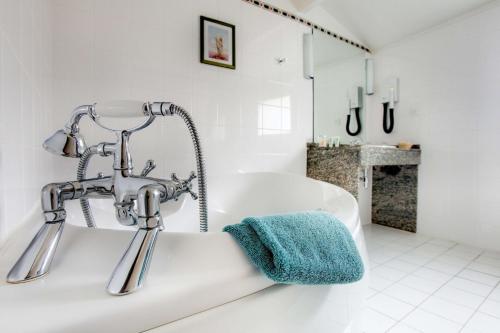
point(484, 284)
point(395, 282)
point(480, 305)
point(435, 270)
point(475, 270)
point(452, 276)
point(385, 315)
point(422, 302)
point(408, 274)
point(419, 266)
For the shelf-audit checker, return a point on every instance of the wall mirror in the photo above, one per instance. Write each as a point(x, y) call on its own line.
point(338, 71)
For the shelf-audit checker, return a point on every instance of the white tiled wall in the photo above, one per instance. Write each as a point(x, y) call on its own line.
point(25, 107)
point(57, 54)
point(257, 117)
point(449, 103)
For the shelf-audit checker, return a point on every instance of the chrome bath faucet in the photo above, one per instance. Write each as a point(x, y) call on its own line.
point(137, 197)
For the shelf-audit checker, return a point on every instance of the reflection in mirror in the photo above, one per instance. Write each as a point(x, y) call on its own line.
point(339, 75)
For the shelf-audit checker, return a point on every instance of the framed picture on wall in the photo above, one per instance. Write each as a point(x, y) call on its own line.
point(217, 43)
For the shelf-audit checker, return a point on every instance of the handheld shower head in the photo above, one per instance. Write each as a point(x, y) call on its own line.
point(65, 143)
point(68, 141)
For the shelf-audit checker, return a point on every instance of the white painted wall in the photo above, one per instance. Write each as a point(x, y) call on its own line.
point(25, 107)
point(449, 103)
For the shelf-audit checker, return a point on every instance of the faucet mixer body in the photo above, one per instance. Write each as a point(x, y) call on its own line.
point(137, 198)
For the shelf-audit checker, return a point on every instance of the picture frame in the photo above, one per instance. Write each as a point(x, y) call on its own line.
point(217, 43)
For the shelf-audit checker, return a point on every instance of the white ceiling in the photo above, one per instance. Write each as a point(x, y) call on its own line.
point(304, 5)
point(381, 22)
point(328, 50)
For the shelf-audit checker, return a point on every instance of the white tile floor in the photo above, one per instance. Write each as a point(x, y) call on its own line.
point(422, 284)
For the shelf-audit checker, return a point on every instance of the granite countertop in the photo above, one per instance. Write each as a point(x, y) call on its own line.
point(388, 155)
point(378, 154)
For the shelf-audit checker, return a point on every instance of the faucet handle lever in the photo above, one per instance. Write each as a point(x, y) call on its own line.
point(192, 176)
point(193, 195)
point(150, 165)
point(185, 185)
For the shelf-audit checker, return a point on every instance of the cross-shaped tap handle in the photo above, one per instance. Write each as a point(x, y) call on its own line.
point(174, 177)
point(193, 195)
point(192, 176)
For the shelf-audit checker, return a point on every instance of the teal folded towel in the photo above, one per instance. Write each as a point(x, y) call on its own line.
point(301, 248)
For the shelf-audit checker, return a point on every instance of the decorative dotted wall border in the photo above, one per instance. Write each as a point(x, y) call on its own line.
point(303, 21)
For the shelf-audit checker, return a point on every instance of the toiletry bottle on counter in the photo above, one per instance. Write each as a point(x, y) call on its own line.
point(322, 141)
point(335, 141)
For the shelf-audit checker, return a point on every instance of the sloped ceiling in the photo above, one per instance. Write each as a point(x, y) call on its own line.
point(304, 5)
point(378, 23)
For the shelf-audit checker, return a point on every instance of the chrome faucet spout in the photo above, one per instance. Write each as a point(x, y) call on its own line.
point(36, 259)
point(131, 272)
point(137, 198)
point(132, 269)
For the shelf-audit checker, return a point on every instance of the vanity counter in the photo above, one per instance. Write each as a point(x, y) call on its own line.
point(393, 182)
point(388, 155)
point(367, 155)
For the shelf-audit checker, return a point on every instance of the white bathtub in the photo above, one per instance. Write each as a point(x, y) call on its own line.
point(197, 282)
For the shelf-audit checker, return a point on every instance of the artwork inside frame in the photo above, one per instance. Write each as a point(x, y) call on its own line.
point(217, 43)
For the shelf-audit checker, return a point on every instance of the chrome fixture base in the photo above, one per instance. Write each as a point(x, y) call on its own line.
point(137, 197)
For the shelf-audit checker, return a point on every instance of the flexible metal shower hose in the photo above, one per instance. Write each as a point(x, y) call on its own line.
point(80, 175)
point(200, 164)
